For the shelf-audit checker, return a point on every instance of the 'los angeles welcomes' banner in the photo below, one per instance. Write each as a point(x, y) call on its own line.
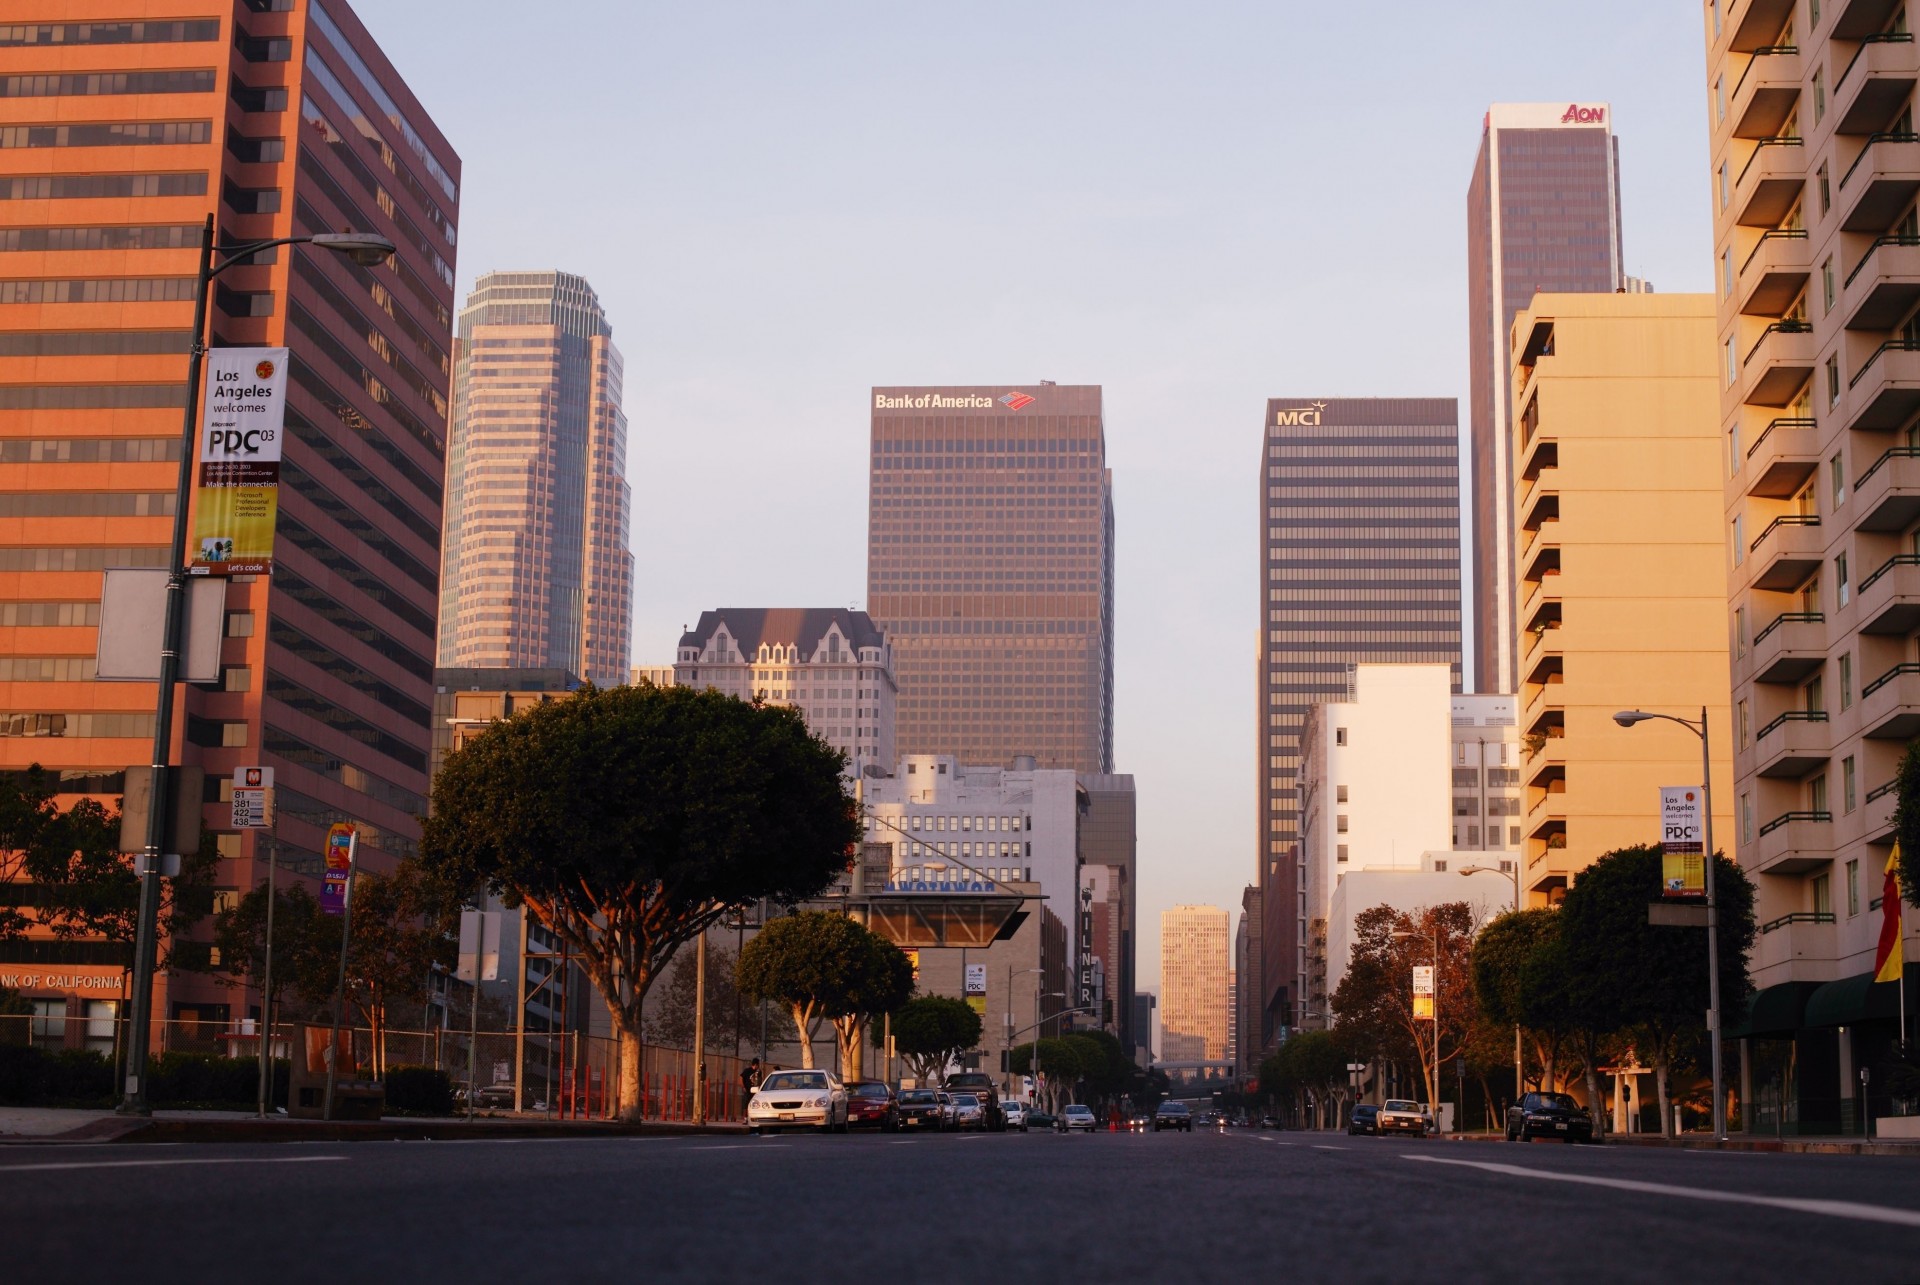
point(240, 439)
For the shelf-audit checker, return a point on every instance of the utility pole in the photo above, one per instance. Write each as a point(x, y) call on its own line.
point(266, 986)
point(340, 983)
point(700, 1028)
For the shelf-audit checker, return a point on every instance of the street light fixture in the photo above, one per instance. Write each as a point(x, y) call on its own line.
point(366, 249)
point(1513, 869)
point(1627, 718)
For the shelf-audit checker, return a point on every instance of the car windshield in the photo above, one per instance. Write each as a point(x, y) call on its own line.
point(1173, 1108)
point(918, 1098)
point(1398, 1105)
point(1079, 1111)
point(1366, 1108)
point(788, 1081)
point(875, 1091)
point(1548, 1101)
point(965, 1100)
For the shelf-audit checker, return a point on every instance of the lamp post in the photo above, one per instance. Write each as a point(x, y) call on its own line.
point(1435, 1104)
point(1006, 1080)
point(1627, 718)
point(366, 249)
point(1519, 1079)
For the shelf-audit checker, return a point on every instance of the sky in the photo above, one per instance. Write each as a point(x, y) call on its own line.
point(1196, 206)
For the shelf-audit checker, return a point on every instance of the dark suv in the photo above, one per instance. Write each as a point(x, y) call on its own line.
point(980, 1084)
point(1173, 1115)
point(1548, 1115)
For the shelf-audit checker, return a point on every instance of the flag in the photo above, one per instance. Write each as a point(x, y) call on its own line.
point(1890, 959)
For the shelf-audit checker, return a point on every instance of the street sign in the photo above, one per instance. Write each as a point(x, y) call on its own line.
point(253, 778)
point(1423, 979)
point(250, 810)
point(976, 979)
point(342, 846)
point(479, 958)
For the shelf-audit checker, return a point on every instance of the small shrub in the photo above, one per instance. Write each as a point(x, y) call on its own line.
point(79, 1077)
point(202, 1079)
point(418, 1090)
point(23, 1074)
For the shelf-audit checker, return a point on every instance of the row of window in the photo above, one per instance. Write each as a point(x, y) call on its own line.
point(86, 504)
point(66, 187)
point(87, 84)
point(185, 31)
point(98, 290)
point(89, 450)
point(88, 558)
point(284, 744)
point(113, 134)
point(148, 236)
point(132, 726)
point(324, 23)
point(57, 614)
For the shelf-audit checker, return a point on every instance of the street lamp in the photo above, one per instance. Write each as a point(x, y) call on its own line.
point(1006, 1081)
point(1627, 718)
point(1513, 869)
point(1436, 1013)
point(366, 249)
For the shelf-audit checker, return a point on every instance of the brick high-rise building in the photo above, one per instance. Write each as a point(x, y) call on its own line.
point(536, 570)
point(990, 566)
point(124, 129)
point(1543, 213)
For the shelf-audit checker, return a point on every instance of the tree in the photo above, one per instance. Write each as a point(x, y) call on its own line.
point(404, 925)
point(1906, 821)
point(932, 1031)
point(1500, 955)
point(1106, 1070)
point(300, 957)
point(1373, 1005)
point(1061, 1063)
point(1648, 982)
point(629, 820)
point(822, 967)
point(882, 982)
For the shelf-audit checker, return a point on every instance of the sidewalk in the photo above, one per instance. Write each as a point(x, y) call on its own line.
point(54, 1125)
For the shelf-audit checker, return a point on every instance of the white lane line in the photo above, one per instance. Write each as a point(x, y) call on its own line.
point(744, 1146)
point(1318, 1147)
point(164, 1164)
point(1831, 1208)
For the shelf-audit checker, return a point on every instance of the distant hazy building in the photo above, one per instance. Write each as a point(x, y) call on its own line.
point(1108, 839)
point(990, 566)
point(658, 675)
point(831, 664)
point(535, 568)
point(1193, 984)
point(1144, 1004)
point(1487, 797)
point(1246, 965)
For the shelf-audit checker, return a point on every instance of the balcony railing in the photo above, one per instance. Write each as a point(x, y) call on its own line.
point(1784, 520)
point(1788, 818)
point(1784, 421)
point(1878, 38)
point(1893, 453)
point(1789, 618)
point(1892, 345)
point(1791, 326)
point(1798, 917)
point(1886, 136)
point(1897, 560)
point(1781, 140)
point(1892, 238)
point(1778, 234)
point(1791, 716)
point(1882, 791)
point(1905, 667)
point(1762, 52)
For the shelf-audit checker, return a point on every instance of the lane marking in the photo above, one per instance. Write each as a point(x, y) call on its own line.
point(1319, 1147)
point(744, 1146)
point(1831, 1208)
point(164, 1164)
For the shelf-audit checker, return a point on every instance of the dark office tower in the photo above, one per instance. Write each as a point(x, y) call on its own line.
point(537, 573)
point(1360, 562)
point(1552, 171)
point(990, 567)
point(126, 126)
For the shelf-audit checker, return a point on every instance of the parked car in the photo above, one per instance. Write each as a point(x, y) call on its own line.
point(1037, 1118)
point(1365, 1119)
point(1173, 1115)
point(981, 1085)
point(947, 1118)
point(969, 1112)
point(870, 1105)
point(1548, 1115)
point(1269, 1122)
point(798, 1100)
point(1402, 1116)
point(1079, 1117)
point(920, 1109)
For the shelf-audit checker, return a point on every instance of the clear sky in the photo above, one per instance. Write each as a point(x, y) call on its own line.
point(1196, 205)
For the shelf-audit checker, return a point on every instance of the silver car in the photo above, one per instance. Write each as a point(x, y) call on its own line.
point(798, 1100)
point(1079, 1117)
point(969, 1112)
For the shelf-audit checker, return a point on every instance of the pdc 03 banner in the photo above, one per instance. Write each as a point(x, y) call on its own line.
point(242, 430)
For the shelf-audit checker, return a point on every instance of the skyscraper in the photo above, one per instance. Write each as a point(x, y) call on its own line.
point(1360, 561)
point(536, 570)
point(1194, 980)
point(123, 136)
point(990, 567)
point(1551, 171)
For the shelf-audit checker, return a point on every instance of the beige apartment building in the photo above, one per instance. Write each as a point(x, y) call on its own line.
point(1815, 167)
point(1621, 571)
point(1194, 975)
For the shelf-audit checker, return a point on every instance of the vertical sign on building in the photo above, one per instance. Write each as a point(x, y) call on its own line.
point(339, 868)
point(241, 435)
point(1683, 862)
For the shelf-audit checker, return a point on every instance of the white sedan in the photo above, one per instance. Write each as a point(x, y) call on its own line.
point(798, 1100)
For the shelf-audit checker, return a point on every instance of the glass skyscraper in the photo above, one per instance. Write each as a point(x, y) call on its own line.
point(1360, 562)
point(990, 567)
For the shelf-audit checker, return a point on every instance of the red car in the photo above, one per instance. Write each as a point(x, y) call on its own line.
point(870, 1104)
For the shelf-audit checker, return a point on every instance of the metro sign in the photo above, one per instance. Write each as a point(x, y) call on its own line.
point(1578, 115)
point(1015, 401)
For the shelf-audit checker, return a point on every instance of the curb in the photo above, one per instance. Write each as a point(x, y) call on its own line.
point(393, 1130)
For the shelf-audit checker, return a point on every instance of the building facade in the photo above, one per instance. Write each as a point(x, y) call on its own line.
point(1360, 561)
point(1109, 841)
point(833, 665)
point(990, 566)
point(1488, 802)
point(1622, 569)
point(1194, 965)
point(535, 568)
point(1543, 214)
point(1817, 359)
point(1247, 1007)
point(122, 138)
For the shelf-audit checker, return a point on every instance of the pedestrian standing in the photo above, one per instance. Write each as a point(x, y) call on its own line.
point(749, 1081)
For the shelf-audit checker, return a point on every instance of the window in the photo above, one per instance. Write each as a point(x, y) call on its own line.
point(1340, 794)
point(1740, 724)
point(1726, 272)
point(1733, 363)
point(1739, 538)
point(239, 624)
point(1746, 813)
point(1719, 99)
point(1339, 736)
point(1513, 836)
point(1853, 888)
point(1817, 793)
point(1849, 781)
point(1842, 590)
point(1821, 887)
point(1846, 685)
point(1825, 188)
point(1814, 695)
point(1833, 381)
point(1837, 475)
point(1340, 823)
point(1340, 852)
point(1826, 285)
point(1739, 632)
point(1819, 94)
point(1713, 6)
point(1725, 195)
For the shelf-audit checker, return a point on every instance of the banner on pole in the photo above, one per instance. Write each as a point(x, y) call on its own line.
point(1683, 864)
point(1423, 979)
point(1423, 1007)
point(976, 979)
point(242, 430)
point(339, 869)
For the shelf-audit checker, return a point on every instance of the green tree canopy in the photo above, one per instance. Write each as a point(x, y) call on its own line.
point(1906, 822)
point(629, 819)
point(822, 966)
point(932, 1031)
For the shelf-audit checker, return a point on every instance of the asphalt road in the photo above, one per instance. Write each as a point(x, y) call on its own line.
point(1110, 1207)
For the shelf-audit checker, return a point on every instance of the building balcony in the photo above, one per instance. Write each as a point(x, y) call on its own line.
point(1880, 182)
point(1766, 92)
point(1882, 805)
point(1540, 606)
point(1783, 457)
point(1890, 704)
point(1885, 392)
point(1876, 83)
point(1886, 495)
point(1858, 19)
point(1790, 549)
point(1883, 287)
point(1545, 715)
point(1791, 647)
point(1805, 937)
point(1756, 25)
point(1778, 365)
point(1791, 843)
point(1888, 599)
point(1541, 453)
point(1540, 561)
point(1548, 764)
point(1792, 745)
point(1775, 272)
point(1548, 816)
point(1541, 658)
point(1770, 182)
point(1539, 506)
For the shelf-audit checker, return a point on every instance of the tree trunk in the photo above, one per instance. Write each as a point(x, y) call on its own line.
point(1594, 1110)
point(632, 1104)
point(1666, 1105)
point(852, 1050)
point(805, 1032)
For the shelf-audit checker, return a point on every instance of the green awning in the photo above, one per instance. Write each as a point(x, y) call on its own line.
point(1856, 999)
point(1776, 1012)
